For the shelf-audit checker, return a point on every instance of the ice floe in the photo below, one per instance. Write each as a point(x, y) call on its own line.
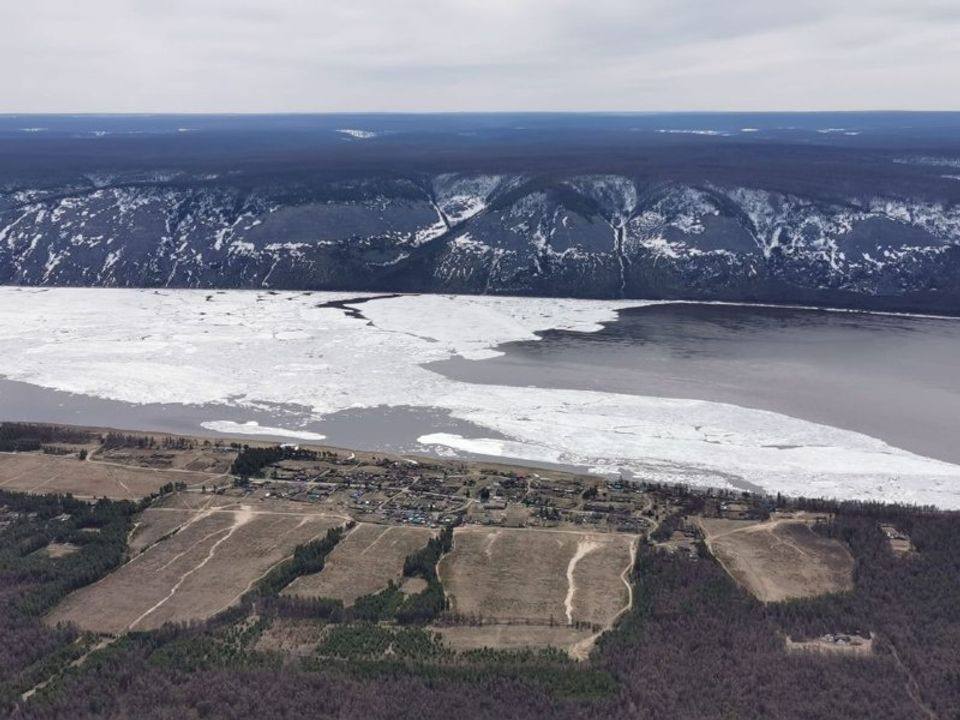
point(252, 427)
point(257, 349)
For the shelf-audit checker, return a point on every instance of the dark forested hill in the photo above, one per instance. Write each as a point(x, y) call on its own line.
point(859, 210)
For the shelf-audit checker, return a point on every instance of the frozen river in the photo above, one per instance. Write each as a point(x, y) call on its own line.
point(804, 402)
point(889, 376)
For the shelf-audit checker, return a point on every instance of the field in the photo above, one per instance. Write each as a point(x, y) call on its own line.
point(529, 578)
point(218, 548)
point(291, 636)
point(899, 542)
point(780, 559)
point(516, 637)
point(210, 460)
point(58, 550)
point(40, 473)
point(154, 524)
point(362, 563)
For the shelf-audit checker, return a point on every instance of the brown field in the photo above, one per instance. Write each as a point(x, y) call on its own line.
point(291, 636)
point(901, 547)
point(899, 541)
point(215, 461)
point(362, 563)
point(779, 559)
point(38, 473)
point(58, 550)
point(512, 637)
point(537, 576)
point(223, 545)
point(153, 525)
point(413, 585)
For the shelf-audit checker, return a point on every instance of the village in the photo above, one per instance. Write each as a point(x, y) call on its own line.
point(370, 487)
point(430, 493)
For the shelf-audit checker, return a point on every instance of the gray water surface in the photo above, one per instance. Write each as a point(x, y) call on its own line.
point(380, 428)
point(894, 378)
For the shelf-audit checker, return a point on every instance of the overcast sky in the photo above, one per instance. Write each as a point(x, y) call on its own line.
point(434, 55)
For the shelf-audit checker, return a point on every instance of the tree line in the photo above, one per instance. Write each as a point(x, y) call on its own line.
point(251, 461)
point(29, 437)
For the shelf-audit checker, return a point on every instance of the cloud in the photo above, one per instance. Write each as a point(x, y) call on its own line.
point(300, 55)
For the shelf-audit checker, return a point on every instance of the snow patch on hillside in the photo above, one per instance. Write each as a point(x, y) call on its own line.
point(675, 131)
point(460, 197)
point(616, 195)
point(358, 134)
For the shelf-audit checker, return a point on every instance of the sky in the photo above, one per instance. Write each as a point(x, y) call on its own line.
point(478, 55)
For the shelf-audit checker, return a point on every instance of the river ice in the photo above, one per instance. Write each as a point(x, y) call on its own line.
point(259, 349)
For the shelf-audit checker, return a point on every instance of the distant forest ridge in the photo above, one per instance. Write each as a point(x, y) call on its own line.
point(848, 209)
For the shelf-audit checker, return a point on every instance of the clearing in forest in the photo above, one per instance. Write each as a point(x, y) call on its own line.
point(546, 578)
point(364, 562)
point(292, 636)
point(58, 550)
point(834, 643)
point(779, 559)
point(899, 541)
point(206, 552)
point(463, 638)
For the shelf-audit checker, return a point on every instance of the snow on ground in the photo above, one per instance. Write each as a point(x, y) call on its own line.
point(463, 196)
point(252, 349)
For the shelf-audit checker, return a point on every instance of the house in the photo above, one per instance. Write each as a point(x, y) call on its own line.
point(495, 502)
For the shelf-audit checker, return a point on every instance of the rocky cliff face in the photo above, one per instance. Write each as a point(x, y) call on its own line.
point(600, 236)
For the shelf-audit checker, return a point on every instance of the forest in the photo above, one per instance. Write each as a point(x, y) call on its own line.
point(251, 461)
point(695, 645)
point(28, 437)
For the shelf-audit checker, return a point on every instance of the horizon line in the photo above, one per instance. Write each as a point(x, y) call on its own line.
point(307, 113)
